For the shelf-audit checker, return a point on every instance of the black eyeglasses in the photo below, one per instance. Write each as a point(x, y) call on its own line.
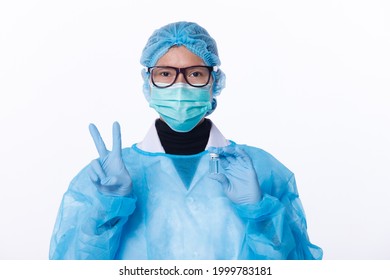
point(165, 76)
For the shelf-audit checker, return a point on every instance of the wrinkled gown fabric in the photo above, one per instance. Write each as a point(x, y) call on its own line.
point(172, 215)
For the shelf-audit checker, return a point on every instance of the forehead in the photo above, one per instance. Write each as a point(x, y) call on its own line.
point(179, 57)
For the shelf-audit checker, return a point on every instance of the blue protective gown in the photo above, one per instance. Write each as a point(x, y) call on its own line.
point(172, 215)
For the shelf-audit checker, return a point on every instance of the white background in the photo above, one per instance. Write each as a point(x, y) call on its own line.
point(308, 81)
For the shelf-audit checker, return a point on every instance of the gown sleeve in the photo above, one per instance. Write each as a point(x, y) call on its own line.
point(89, 224)
point(276, 226)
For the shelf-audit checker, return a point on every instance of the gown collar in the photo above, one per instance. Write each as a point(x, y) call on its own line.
point(151, 143)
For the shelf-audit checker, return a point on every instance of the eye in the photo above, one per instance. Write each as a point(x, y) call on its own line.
point(164, 73)
point(196, 74)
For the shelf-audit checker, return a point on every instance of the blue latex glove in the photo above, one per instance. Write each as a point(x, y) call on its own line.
point(108, 172)
point(237, 175)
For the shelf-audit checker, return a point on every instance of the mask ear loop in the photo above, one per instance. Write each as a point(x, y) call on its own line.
point(214, 76)
point(214, 102)
point(146, 86)
point(213, 107)
point(148, 76)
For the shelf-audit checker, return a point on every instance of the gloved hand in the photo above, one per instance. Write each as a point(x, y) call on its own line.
point(237, 175)
point(108, 172)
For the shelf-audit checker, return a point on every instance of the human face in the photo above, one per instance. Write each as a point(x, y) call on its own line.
point(181, 57)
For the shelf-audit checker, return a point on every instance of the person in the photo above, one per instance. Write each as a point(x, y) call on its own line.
point(185, 191)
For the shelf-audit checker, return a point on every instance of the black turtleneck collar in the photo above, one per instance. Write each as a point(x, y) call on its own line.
point(184, 143)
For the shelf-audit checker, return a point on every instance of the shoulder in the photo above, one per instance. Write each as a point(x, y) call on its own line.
point(265, 159)
point(134, 160)
point(130, 156)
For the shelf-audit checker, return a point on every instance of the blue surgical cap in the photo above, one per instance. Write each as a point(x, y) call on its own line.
point(195, 38)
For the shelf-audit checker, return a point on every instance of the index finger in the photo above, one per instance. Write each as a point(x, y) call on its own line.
point(97, 139)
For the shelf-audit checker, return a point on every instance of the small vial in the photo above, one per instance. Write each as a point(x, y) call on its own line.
point(214, 163)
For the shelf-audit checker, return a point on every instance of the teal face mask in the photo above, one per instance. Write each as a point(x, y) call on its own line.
point(181, 106)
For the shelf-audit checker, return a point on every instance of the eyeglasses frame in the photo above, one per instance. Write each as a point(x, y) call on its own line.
point(181, 70)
